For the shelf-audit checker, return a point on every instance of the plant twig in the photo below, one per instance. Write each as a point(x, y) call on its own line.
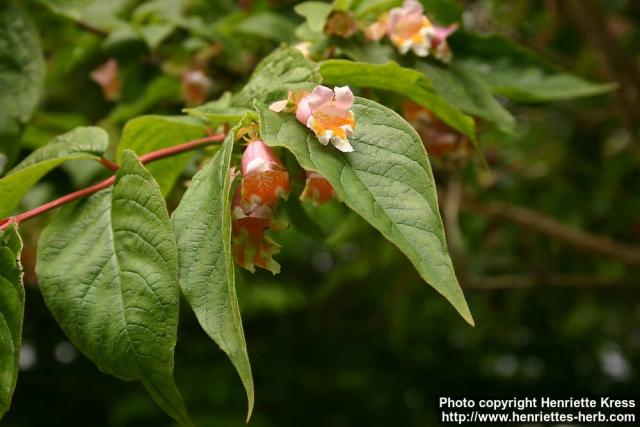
point(550, 226)
point(109, 164)
point(145, 158)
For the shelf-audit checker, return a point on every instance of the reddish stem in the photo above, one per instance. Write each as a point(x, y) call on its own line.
point(146, 158)
point(109, 164)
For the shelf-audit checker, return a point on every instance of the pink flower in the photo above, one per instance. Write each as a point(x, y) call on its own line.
point(107, 76)
point(408, 28)
point(264, 177)
point(195, 86)
point(328, 113)
point(439, 43)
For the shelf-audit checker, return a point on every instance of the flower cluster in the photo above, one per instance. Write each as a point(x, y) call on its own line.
point(264, 182)
point(409, 29)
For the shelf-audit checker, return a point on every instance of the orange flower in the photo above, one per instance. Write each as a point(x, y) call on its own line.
point(317, 189)
point(251, 246)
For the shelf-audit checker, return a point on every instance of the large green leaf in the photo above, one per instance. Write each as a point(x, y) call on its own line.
point(387, 180)
point(203, 230)
point(284, 69)
point(21, 75)
point(149, 133)
point(80, 143)
point(405, 81)
point(107, 267)
point(517, 73)
point(468, 93)
point(11, 313)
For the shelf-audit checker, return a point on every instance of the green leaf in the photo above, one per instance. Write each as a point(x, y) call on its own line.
point(267, 25)
point(80, 143)
point(219, 112)
point(203, 230)
point(315, 12)
point(283, 70)
point(107, 267)
point(517, 73)
point(468, 93)
point(21, 76)
point(387, 180)
point(405, 81)
point(149, 133)
point(11, 313)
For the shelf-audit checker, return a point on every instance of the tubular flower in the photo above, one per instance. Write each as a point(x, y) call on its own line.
point(439, 43)
point(328, 114)
point(264, 177)
point(107, 76)
point(195, 86)
point(408, 28)
point(251, 247)
point(317, 189)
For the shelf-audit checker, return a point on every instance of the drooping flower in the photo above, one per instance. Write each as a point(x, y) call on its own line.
point(409, 29)
point(107, 76)
point(250, 245)
point(439, 44)
point(317, 189)
point(441, 141)
point(264, 177)
point(195, 86)
point(328, 114)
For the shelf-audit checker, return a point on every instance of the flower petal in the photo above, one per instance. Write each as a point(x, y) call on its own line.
point(343, 97)
point(278, 106)
point(320, 96)
point(303, 111)
point(342, 144)
point(441, 33)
